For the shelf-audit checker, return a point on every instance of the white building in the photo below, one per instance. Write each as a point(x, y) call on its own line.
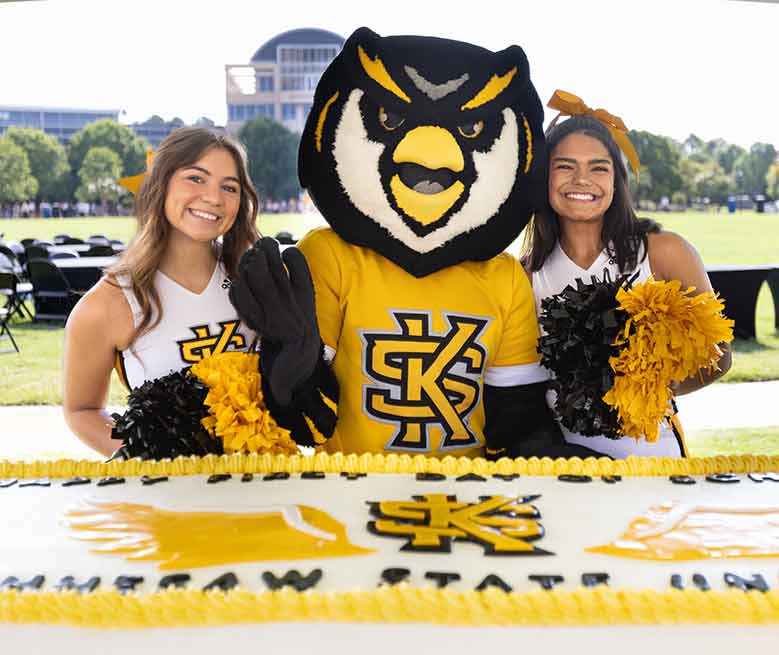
point(280, 79)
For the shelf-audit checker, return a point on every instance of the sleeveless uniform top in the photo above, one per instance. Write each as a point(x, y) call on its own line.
point(193, 326)
point(558, 272)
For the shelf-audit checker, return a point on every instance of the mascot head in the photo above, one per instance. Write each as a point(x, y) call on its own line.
point(425, 150)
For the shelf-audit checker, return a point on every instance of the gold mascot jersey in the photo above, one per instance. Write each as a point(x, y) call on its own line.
point(412, 354)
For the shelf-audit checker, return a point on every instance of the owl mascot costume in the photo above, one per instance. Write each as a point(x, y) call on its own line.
point(424, 155)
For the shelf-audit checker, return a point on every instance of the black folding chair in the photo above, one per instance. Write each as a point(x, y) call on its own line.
point(72, 241)
point(54, 299)
point(59, 239)
point(5, 330)
point(14, 286)
point(100, 251)
point(64, 254)
point(36, 252)
point(99, 239)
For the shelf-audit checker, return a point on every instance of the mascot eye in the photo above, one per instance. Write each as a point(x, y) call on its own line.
point(390, 121)
point(471, 130)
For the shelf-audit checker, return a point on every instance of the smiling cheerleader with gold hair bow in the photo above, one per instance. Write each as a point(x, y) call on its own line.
point(627, 308)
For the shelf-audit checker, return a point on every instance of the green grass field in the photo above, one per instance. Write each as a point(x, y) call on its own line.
point(34, 376)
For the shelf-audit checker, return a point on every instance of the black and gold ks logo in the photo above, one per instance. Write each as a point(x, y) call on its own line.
point(422, 379)
point(205, 344)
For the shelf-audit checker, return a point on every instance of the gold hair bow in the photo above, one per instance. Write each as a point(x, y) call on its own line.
point(572, 105)
point(133, 183)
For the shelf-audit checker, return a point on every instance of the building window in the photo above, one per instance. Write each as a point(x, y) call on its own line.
point(288, 111)
point(292, 83)
point(265, 82)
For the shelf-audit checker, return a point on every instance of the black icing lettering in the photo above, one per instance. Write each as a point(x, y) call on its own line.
point(394, 575)
point(442, 578)
point(430, 477)
point(547, 581)
point(218, 477)
point(677, 582)
point(107, 482)
point(611, 479)
point(292, 579)
point(312, 475)
point(506, 477)
point(247, 477)
point(470, 477)
point(493, 580)
point(125, 583)
point(278, 475)
point(42, 482)
point(4, 484)
point(574, 478)
point(177, 580)
point(75, 482)
point(224, 582)
point(68, 583)
point(757, 582)
point(147, 481)
point(595, 579)
point(755, 477)
point(12, 582)
point(723, 478)
point(352, 476)
point(682, 479)
point(700, 581)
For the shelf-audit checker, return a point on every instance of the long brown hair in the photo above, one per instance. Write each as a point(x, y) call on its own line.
point(142, 258)
point(622, 233)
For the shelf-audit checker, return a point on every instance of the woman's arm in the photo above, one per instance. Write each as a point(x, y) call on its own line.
point(673, 258)
point(99, 324)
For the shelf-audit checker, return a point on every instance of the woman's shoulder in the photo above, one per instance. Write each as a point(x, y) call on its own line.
point(104, 310)
point(672, 257)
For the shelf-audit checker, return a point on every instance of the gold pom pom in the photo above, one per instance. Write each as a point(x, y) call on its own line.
point(669, 336)
point(238, 415)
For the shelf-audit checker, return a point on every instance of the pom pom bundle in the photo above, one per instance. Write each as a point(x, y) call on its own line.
point(581, 325)
point(615, 350)
point(163, 419)
point(237, 412)
point(669, 336)
point(216, 406)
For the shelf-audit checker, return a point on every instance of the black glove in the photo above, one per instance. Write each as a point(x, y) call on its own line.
point(280, 308)
point(520, 424)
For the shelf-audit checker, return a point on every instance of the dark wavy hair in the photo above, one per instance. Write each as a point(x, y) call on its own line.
point(141, 260)
point(623, 232)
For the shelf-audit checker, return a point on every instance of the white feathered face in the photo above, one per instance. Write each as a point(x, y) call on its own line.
point(426, 169)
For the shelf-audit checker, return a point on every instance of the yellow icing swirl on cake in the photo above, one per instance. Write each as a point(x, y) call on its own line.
point(192, 539)
point(678, 532)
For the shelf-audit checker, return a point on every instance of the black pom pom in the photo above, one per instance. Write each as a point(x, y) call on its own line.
point(163, 420)
point(581, 324)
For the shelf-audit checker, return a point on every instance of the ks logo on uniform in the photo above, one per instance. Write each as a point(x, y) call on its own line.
point(423, 379)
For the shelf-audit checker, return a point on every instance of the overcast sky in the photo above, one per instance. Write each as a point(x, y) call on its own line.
point(667, 66)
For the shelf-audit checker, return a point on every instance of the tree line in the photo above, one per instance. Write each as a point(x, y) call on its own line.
point(35, 166)
point(702, 171)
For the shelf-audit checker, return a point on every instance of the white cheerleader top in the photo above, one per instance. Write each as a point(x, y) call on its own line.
point(558, 272)
point(193, 326)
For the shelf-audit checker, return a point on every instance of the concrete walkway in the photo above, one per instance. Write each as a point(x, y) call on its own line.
point(39, 432)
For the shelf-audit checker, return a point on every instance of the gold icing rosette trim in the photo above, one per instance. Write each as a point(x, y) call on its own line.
point(399, 604)
point(390, 464)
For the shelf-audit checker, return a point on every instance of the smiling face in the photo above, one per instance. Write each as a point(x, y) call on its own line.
point(581, 179)
point(203, 198)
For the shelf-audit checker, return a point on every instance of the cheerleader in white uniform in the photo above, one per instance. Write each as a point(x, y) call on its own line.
point(165, 305)
point(589, 226)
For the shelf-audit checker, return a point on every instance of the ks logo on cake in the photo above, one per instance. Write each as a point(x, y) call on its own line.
point(503, 525)
point(205, 344)
point(421, 379)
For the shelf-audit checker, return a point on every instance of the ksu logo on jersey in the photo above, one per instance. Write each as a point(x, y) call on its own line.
point(205, 344)
point(423, 379)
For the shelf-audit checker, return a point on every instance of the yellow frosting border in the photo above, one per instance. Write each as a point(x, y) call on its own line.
point(390, 464)
point(401, 604)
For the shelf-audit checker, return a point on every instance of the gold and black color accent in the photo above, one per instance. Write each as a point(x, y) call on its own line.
point(205, 344)
point(422, 379)
point(502, 525)
point(426, 150)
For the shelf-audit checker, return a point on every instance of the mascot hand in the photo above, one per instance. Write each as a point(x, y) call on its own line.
point(274, 295)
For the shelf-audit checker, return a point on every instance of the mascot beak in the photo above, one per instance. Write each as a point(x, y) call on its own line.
point(429, 159)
